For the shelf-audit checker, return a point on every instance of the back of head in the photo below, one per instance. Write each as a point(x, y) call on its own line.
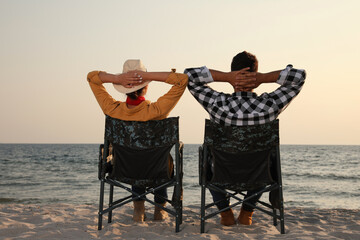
point(132, 65)
point(134, 95)
point(243, 60)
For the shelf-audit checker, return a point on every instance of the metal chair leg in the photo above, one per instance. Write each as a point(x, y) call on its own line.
point(202, 214)
point(111, 197)
point(101, 203)
point(282, 221)
point(177, 222)
point(181, 212)
point(177, 206)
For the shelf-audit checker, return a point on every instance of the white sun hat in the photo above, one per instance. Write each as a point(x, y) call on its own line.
point(131, 65)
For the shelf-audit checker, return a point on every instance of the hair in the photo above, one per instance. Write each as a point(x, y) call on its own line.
point(243, 60)
point(134, 95)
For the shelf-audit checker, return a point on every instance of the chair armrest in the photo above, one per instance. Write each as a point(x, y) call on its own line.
point(201, 164)
point(101, 154)
point(181, 145)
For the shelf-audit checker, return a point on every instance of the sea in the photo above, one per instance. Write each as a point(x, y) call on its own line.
point(314, 176)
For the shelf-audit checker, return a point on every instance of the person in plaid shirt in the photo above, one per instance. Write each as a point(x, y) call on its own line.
point(243, 107)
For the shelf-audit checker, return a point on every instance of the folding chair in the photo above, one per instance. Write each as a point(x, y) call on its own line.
point(140, 153)
point(234, 159)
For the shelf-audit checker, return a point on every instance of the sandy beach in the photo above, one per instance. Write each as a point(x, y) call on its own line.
point(67, 221)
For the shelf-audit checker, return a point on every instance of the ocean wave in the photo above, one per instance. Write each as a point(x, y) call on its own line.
point(24, 200)
point(331, 176)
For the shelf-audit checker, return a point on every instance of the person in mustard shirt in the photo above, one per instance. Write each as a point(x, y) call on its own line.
point(134, 83)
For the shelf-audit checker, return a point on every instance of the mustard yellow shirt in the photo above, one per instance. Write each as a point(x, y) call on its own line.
point(144, 111)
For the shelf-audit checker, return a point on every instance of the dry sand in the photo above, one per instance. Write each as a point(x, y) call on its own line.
point(65, 221)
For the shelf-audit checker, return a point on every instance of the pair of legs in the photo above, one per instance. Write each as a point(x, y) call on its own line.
point(227, 217)
point(159, 198)
point(139, 204)
point(225, 202)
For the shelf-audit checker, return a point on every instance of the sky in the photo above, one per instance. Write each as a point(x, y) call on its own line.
point(48, 47)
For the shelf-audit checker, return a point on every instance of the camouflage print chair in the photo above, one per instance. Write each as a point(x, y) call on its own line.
point(139, 154)
point(234, 159)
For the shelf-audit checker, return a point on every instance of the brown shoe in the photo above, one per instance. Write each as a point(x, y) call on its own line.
point(227, 218)
point(245, 217)
point(139, 211)
point(159, 213)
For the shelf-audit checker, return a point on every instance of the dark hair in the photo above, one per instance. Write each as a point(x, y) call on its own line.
point(136, 94)
point(243, 60)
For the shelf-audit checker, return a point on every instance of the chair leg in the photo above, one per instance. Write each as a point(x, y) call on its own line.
point(181, 210)
point(202, 214)
point(178, 187)
point(281, 197)
point(178, 214)
point(178, 206)
point(282, 220)
point(111, 197)
point(177, 222)
point(101, 204)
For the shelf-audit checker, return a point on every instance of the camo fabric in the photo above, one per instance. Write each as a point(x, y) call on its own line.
point(140, 135)
point(240, 186)
point(141, 182)
point(241, 138)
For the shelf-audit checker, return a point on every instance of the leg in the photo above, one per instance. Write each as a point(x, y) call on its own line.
point(138, 190)
point(160, 195)
point(253, 200)
point(247, 210)
point(274, 218)
point(159, 213)
point(221, 201)
point(139, 205)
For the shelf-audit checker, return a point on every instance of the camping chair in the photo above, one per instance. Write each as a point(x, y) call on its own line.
point(234, 159)
point(140, 157)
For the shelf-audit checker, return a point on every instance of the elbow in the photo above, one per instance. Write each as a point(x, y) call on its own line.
point(303, 75)
point(90, 75)
point(183, 79)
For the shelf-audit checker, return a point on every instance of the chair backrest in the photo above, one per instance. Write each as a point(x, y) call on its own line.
point(141, 149)
point(241, 155)
point(142, 135)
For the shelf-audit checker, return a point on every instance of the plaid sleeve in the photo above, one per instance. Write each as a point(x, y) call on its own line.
point(291, 81)
point(197, 85)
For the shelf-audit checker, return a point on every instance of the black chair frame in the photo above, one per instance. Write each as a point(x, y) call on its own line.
point(115, 133)
point(252, 138)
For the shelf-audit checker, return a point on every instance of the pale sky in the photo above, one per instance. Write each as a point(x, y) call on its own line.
point(48, 47)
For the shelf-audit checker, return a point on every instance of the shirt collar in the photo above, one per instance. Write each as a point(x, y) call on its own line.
point(245, 94)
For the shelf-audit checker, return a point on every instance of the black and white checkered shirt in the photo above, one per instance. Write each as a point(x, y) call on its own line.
point(245, 108)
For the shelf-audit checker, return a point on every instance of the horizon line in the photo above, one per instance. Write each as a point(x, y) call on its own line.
point(300, 144)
